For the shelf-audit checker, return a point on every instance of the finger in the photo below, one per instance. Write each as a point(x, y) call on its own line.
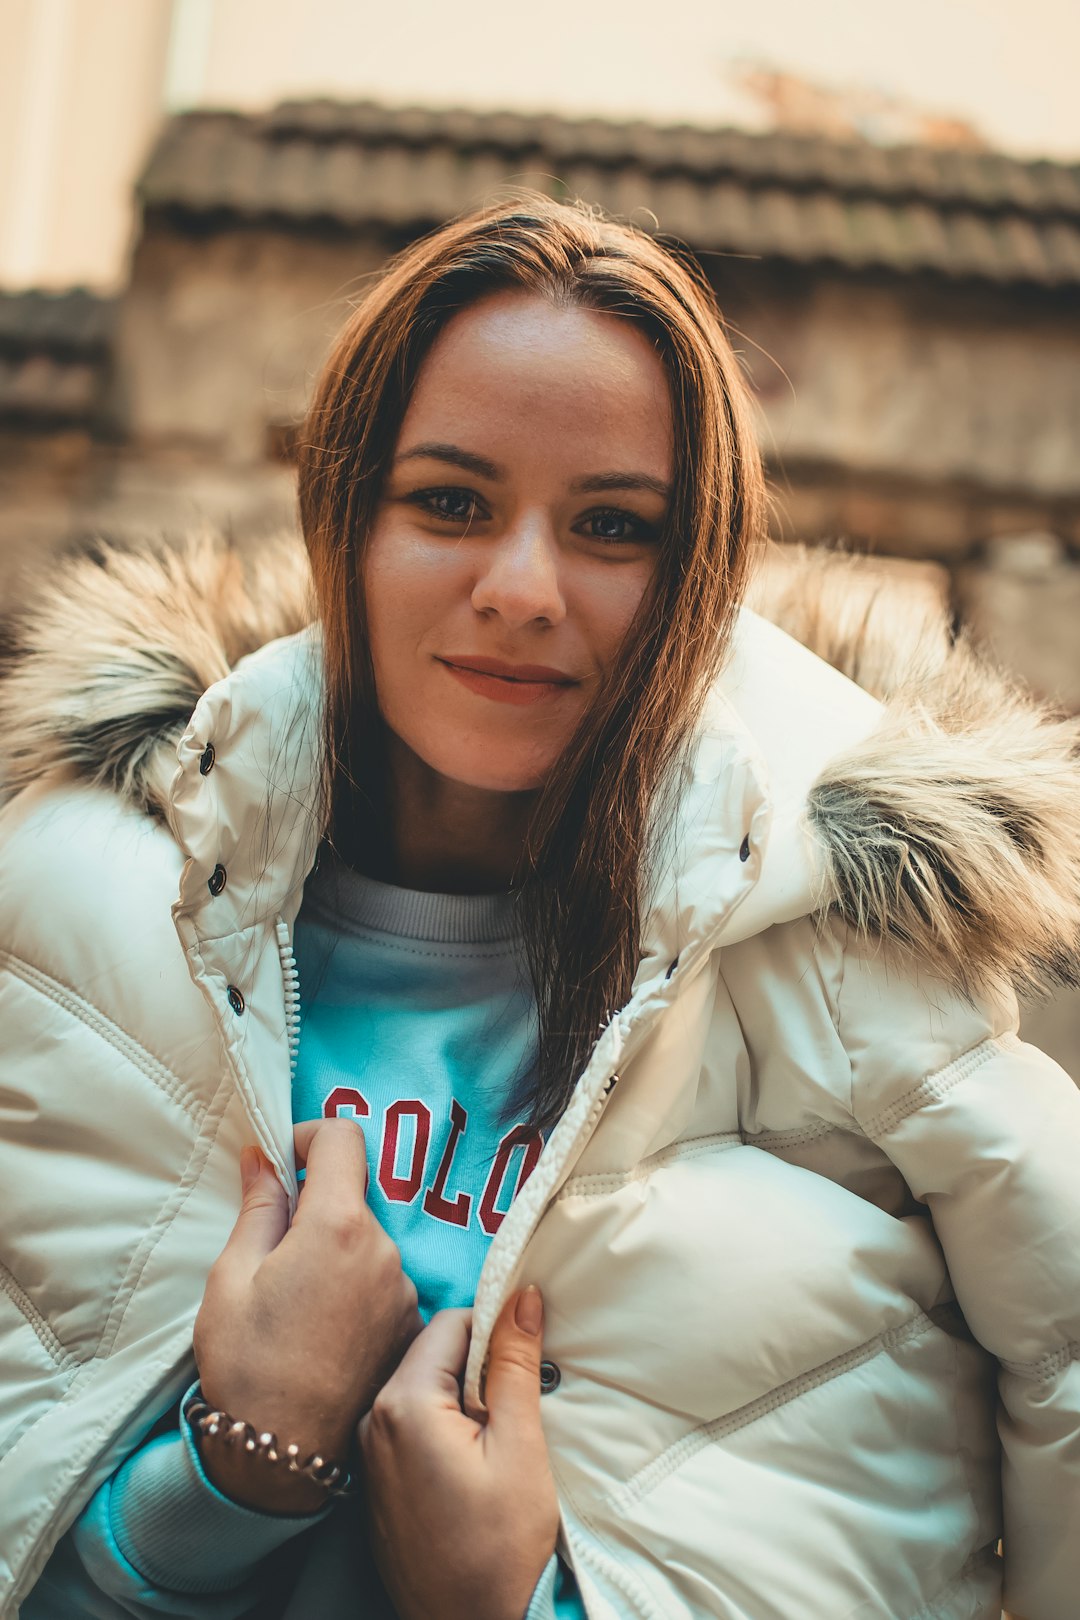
point(263, 1219)
point(432, 1367)
point(306, 1130)
point(512, 1386)
point(334, 1154)
point(303, 1131)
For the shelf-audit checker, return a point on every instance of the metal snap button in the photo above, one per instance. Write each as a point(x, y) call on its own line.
point(206, 759)
point(235, 999)
point(550, 1377)
point(216, 881)
point(744, 849)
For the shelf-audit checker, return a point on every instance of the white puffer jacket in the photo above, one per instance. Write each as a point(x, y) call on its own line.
point(770, 1406)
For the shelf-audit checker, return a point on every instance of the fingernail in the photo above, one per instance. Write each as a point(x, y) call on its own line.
point(249, 1166)
point(529, 1310)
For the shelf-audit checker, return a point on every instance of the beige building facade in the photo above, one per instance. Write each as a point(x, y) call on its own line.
point(82, 86)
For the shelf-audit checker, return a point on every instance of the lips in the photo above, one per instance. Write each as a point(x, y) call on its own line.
point(519, 684)
point(530, 673)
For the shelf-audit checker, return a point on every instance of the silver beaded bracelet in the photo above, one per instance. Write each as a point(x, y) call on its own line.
point(211, 1424)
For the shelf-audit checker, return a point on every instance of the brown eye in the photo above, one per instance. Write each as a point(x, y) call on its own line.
point(451, 505)
point(614, 526)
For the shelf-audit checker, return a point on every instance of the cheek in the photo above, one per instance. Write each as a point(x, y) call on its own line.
point(408, 595)
point(611, 604)
point(396, 584)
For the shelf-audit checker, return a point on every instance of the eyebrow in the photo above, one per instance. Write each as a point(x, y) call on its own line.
point(484, 468)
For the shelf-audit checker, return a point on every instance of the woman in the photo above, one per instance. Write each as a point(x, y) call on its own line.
point(691, 1158)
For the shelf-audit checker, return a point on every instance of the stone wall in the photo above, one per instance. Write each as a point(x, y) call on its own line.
point(220, 335)
point(59, 493)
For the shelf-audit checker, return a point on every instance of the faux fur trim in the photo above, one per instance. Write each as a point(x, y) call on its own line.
point(952, 833)
point(113, 653)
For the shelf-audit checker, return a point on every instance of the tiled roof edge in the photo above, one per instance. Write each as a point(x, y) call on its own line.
point(358, 166)
point(942, 175)
point(73, 322)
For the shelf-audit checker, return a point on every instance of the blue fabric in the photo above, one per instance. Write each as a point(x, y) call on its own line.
point(416, 1020)
point(418, 1035)
point(556, 1596)
point(158, 1538)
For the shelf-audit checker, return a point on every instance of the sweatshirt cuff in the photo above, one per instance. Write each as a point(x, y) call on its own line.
point(542, 1602)
point(179, 1531)
point(556, 1595)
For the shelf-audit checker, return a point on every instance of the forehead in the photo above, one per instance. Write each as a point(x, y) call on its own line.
point(515, 367)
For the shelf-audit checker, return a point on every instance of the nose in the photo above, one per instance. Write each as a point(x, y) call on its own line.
point(520, 577)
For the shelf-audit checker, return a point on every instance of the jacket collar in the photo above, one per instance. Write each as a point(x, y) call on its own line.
point(736, 856)
point(946, 825)
point(245, 798)
point(740, 854)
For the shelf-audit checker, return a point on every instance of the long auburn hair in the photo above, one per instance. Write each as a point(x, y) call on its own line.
point(578, 888)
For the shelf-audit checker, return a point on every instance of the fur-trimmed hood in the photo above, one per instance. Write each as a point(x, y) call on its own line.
point(951, 832)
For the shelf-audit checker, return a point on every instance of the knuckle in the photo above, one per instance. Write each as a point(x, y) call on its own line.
point(519, 1358)
point(346, 1230)
point(216, 1287)
point(262, 1197)
point(198, 1338)
point(348, 1130)
point(388, 1414)
point(386, 1257)
point(391, 1252)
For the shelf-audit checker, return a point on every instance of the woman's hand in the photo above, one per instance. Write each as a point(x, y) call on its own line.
point(463, 1515)
point(301, 1325)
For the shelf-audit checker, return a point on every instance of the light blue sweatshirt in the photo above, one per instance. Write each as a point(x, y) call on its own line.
point(416, 1020)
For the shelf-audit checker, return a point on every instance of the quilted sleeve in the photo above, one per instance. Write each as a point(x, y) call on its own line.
point(985, 1129)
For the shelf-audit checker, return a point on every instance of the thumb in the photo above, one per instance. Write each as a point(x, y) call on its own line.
point(512, 1386)
point(264, 1215)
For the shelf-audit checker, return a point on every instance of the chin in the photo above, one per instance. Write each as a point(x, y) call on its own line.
point(492, 772)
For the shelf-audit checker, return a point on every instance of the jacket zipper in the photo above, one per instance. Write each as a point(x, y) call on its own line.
point(632, 1031)
point(290, 975)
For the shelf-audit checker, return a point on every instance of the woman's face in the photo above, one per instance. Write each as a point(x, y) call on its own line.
point(517, 533)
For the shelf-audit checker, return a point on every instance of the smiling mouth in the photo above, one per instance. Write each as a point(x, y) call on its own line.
point(520, 674)
point(509, 683)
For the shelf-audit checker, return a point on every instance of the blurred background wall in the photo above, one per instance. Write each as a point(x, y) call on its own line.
point(886, 198)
